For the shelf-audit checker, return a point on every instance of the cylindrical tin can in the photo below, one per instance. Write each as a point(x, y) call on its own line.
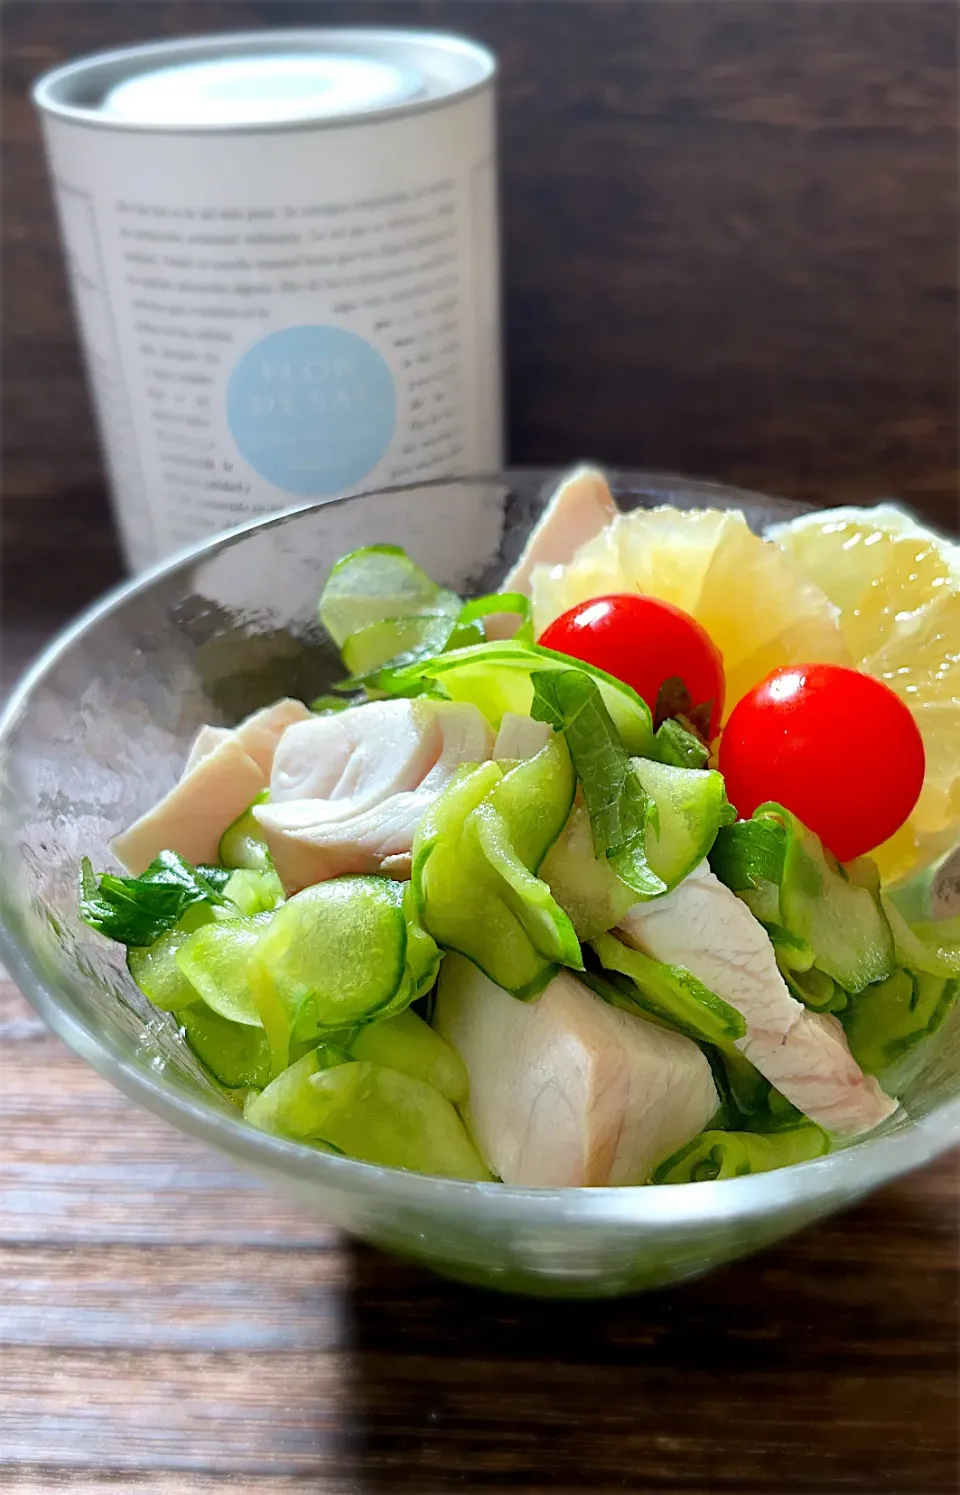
point(283, 250)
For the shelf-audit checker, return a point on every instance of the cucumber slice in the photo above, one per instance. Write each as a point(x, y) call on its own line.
point(334, 956)
point(216, 960)
point(378, 1115)
point(924, 947)
point(842, 922)
point(496, 677)
point(254, 892)
point(286, 1106)
point(236, 1055)
point(407, 1043)
point(473, 878)
point(158, 975)
point(673, 994)
point(691, 806)
point(734, 1154)
point(815, 989)
point(243, 843)
point(585, 886)
point(889, 1019)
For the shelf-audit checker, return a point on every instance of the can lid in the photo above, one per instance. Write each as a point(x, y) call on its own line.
point(261, 89)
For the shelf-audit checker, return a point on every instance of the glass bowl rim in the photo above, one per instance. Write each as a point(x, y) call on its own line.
point(850, 1172)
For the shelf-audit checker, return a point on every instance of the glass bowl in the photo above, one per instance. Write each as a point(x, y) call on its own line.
point(99, 730)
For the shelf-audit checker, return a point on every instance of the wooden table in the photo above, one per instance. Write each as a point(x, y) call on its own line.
point(168, 1325)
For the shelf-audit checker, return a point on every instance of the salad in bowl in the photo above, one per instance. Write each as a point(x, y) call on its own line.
point(594, 880)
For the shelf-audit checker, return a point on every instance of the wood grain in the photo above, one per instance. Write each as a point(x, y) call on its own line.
point(169, 1325)
point(730, 247)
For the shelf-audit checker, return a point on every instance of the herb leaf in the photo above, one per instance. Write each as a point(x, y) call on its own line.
point(619, 807)
point(675, 703)
point(673, 744)
point(138, 910)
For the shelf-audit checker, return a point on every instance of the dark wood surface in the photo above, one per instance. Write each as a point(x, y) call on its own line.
point(730, 235)
point(168, 1326)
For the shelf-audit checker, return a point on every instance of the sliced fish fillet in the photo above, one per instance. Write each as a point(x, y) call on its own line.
point(520, 736)
point(567, 1091)
point(350, 798)
point(581, 507)
point(704, 927)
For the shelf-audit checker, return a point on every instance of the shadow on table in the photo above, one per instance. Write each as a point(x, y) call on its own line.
point(829, 1364)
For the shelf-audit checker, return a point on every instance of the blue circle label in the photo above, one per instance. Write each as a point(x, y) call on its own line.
point(312, 409)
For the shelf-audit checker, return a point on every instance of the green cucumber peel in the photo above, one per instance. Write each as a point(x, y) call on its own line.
point(475, 859)
point(386, 615)
point(368, 1111)
point(334, 956)
point(215, 959)
point(718, 1155)
point(673, 994)
point(236, 1055)
point(889, 1019)
point(497, 677)
point(243, 846)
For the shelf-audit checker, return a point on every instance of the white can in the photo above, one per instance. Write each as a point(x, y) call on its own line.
point(283, 250)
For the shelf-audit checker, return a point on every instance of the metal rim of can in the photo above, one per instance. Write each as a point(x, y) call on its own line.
point(119, 64)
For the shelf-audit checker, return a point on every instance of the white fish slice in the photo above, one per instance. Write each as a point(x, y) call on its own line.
point(352, 761)
point(581, 507)
point(567, 1091)
point(704, 927)
point(520, 736)
point(393, 766)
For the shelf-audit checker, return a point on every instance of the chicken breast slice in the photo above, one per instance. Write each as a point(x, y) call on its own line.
point(520, 736)
point(194, 815)
point(353, 760)
point(205, 741)
point(350, 798)
point(567, 1091)
point(260, 734)
point(704, 927)
point(581, 507)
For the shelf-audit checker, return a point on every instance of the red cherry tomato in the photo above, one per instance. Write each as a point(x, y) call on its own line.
point(836, 747)
point(643, 642)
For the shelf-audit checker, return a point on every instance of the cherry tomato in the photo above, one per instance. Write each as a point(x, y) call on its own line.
point(643, 642)
point(836, 747)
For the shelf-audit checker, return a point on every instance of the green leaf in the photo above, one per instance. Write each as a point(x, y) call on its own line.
point(328, 705)
point(619, 807)
point(748, 851)
point(715, 1155)
point(674, 744)
point(136, 911)
point(675, 703)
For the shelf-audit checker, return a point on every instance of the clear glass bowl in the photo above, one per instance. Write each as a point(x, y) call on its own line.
point(99, 730)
